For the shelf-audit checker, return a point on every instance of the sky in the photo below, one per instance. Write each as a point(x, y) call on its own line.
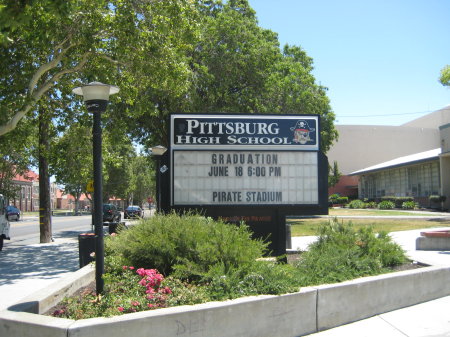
point(379, 59)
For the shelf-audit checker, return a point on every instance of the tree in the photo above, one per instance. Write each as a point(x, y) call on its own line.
point(15, 158)
point(238, 66)
point(142, 183)
point(117, 160)
point(45, 46)
point(45, 223)
point(72, 161)
point(333, 174)
point(132, 42)
point(445, 76)
point(14, 13)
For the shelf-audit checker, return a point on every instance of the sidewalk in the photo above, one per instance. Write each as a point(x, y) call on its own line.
point(26, 269)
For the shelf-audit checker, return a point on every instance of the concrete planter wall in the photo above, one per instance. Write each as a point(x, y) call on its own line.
point(310, 310)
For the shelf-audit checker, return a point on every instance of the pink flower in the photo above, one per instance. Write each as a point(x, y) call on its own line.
point(124, 267)
point(150, 291)
point(150, 305)
point(131, 267)
point(121, 309)
point(135, 303)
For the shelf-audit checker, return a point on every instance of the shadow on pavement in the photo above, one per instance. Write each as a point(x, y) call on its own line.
point(43, 261)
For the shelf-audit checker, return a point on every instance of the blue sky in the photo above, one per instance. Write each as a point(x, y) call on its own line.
point(380, 59)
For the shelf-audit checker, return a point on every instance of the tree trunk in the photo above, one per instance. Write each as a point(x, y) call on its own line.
point(45, 220)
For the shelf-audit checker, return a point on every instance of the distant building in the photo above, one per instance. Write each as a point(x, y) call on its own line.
point(27, 199)
point(24, 200)
point(412, 159)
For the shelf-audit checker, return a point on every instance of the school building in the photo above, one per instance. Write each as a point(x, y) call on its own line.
point(412, 159)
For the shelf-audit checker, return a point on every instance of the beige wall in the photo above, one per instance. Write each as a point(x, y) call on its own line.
point(361, 146)
point(445, 179)
point(445, 138)
point(433, 120)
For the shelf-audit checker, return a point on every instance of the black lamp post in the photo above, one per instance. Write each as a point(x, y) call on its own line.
point(96, 97)
point(158, 151)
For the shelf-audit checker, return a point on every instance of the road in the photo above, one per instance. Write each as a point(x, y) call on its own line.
point(26, 231)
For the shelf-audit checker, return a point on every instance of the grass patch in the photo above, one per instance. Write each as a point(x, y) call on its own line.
point(376, 212)
point(306, 227)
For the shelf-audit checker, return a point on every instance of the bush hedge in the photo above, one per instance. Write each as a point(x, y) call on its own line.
point(386, 205)
point(398, 201)
point(187, 246)
point(342, 253)
point(409, 205)
point(437, 198)
point(210, 260)
point(357, 204)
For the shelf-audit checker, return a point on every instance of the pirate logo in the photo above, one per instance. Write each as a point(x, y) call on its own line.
point(301, 132)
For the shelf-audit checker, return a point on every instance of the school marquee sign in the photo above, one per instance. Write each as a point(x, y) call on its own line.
point(244, 160)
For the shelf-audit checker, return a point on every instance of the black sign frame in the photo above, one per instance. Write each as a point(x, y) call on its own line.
point(255, 215)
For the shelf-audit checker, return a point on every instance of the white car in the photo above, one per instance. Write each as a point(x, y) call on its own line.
point(4, 223)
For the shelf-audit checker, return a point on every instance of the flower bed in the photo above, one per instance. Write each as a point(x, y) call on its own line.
point(310, 310)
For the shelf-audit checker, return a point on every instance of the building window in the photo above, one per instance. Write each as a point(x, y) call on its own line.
point(420, 180)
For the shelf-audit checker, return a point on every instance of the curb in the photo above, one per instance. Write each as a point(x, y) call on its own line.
point(311, 310)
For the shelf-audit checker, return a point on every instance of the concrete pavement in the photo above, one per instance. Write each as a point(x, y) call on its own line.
point(27, 269)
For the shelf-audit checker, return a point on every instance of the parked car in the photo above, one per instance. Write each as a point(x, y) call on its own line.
point(111, 213)
point(133, 212)
point(12, 213)
point(4, 223)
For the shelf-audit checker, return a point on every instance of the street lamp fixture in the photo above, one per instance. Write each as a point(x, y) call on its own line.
point(96, 97)
point(158, 151)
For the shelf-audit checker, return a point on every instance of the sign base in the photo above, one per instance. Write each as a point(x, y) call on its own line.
point(266, 224)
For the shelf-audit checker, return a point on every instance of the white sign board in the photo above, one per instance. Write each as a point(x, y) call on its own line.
point(245, 178)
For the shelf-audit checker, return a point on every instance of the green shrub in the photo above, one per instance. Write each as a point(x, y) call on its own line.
point(341, 253)
point(371, 204)
point(437, 198)
point(401, 200)
point(342, 200)
point(334, 197)
point(386, 205)
point(409, 205)
point(398, 201)
point(261, 277)
point(186, 246)
point(356, 204)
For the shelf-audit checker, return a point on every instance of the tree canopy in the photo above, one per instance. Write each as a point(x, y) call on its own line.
point(445, 76)
point(130, 43)
point(197, 56)
point(238, 67)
